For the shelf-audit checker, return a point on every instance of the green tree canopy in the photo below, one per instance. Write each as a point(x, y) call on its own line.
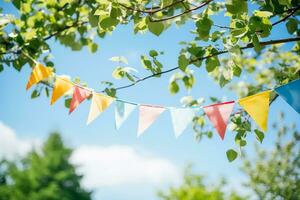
point(219, 48)
point(194, 187)
point(42, 175)
point(275, 174)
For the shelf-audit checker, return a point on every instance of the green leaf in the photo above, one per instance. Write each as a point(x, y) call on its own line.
point(183, 62)
point(110, 92)
point(259, 135)
point(285, 2)
point(68, 102)
point(292, 25)
point(204, 25)
point(256, 44)
point(1, 68)
point(262, 13)
point(236, 70)
point(212, 63)
point(146, 62)
point(153, 53)
point(93, 47)
point(231, 155)
point(108, 23)
point(173, 87)
point(156, 27)
point(243, 143)
point(118, 73)
point(236, 6)
point(35, 94)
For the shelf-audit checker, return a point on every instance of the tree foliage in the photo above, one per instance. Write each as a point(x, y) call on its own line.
point(270, 174)
point(42, 175)
point(194, 187)
point(220, 48)
point(275, 174)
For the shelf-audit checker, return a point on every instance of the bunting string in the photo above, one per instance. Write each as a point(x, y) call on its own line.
point(257, 105)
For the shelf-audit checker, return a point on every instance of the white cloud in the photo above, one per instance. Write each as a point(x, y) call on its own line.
point(12, 147)
point(122, 165)
point(110, 166)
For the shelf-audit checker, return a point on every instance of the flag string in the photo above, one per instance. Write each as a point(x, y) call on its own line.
point(256, 105)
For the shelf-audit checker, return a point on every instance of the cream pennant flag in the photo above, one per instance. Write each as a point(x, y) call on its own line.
point(257, 106)
point(99, 103)
point(39, 73)
point(219, 115)
point(61, 86)
point(79, 95)
point(147, 115)
point(181, 117)
point(122, 111)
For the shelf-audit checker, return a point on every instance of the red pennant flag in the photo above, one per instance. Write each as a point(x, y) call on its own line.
point(219, 114)
point(79, 95)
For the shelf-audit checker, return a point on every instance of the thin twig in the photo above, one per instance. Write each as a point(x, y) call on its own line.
point(286, 17)
point(180, 14)
point(150, 10)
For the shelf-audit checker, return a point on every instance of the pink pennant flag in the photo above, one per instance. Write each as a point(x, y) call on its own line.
point(79, 95)
point(147, 115)
point(219, 114)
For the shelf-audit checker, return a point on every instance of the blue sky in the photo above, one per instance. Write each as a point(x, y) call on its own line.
point(33, 119)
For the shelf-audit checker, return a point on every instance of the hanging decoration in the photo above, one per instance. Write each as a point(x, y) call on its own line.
point(257, 105)
point(148, 114)
point(291, 94)
point(219, 115)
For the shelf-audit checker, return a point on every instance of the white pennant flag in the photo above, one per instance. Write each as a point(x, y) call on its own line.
point(181, 117)
point(122, 111)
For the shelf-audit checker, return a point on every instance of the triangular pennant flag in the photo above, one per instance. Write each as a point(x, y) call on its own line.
point(99, 103)
point(257, 106)
point(61, 86)
point(219, 114)
point(39, 73)
point(181, 117)
point(122, 111)
point(291, 94)
point(79, 95)
point(147, 115)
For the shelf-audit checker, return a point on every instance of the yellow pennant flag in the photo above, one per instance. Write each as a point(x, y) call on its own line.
point(61, 86)
point(39, 73)
point(257, 106)
point(99, 103)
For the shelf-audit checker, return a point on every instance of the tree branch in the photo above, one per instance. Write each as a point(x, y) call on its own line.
point(248, 46)
point(183, 13)
point(150, 10)
point(286, 17)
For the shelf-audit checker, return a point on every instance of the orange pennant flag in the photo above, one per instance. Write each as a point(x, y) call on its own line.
point(99, 103)
point(39, 73)
point(61, 86)
point(79, 95)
